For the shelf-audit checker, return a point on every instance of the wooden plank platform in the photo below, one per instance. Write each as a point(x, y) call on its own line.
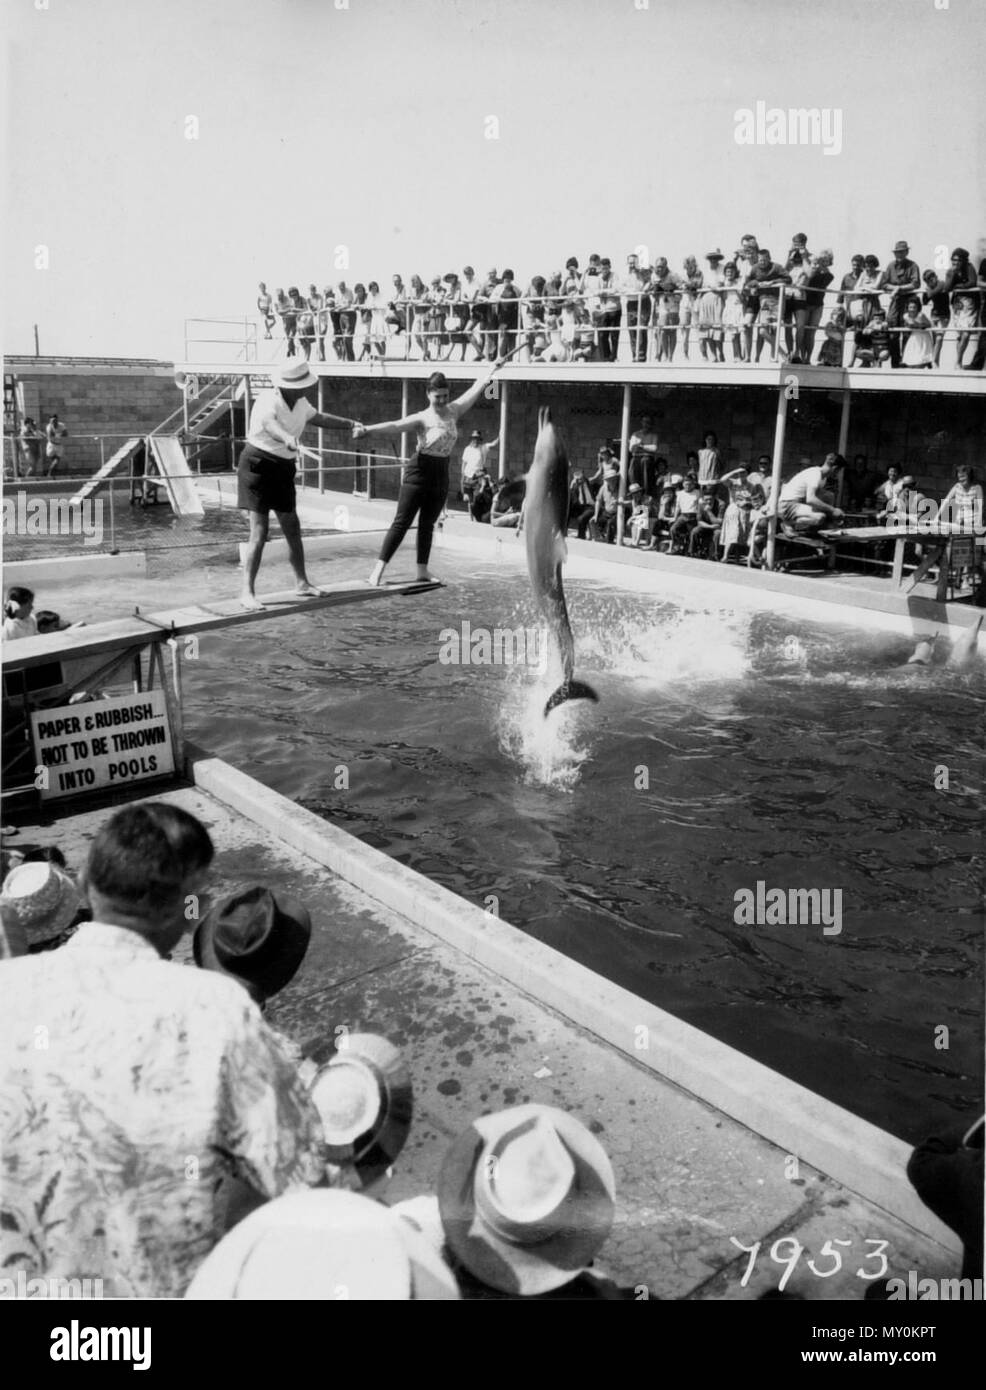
point(141, 628)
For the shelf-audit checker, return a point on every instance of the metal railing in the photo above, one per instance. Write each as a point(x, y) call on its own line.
point(648, 328)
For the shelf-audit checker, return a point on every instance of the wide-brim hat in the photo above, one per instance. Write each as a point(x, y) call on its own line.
point(365, 1099)
point(715, 255)
point(527, 1198)
point(475, 435)
point(38, 900)
point(635, 487)
point(255, 935)
point(296, 376)
point(323, 1244)
point(901, 246)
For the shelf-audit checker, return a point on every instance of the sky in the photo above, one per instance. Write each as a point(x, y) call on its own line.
point(351, 139)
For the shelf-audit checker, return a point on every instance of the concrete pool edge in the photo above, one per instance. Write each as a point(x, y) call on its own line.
point(56, 569)
point(862, 1158)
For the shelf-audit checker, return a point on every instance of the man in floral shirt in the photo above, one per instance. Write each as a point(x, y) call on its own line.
point(130, 1085)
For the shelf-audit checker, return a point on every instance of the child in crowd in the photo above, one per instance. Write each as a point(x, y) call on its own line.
point(830, 354)
point(873, 342)
point(708, 522)
point(709, 459)
point(664, 515)
point(641, 516)
point(685, 514)
point(936, 295)
point(919, 347)
point(732, 312)
point(18, 614)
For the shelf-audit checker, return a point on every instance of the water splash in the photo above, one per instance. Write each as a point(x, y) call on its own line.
point(664, 651)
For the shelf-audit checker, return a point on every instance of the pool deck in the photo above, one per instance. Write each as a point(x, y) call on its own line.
point(688, 1177)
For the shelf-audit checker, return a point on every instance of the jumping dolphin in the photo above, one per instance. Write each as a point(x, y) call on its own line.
point(545, 527)
point(964, 650)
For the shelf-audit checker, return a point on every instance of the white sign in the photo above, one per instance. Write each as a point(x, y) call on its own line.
point(106, 743)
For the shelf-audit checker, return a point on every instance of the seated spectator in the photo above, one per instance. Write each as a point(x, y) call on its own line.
point(608, 507)
point(704, 533)
point(802, 508)
point(664, 515)
point(872, 345)
point(860, 484)
point(963, 504)
point(886, 493)
point(154, 1073)
point(581, 504)
point(832, 349)
point(311, 1245)
point(526, 1199)
point(39, 900)
point(508, 497)
point(641, 516)
point(685, 513)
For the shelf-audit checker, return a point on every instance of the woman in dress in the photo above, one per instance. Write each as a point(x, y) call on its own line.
point(420, 310)
point(708, 312)
point(732, 312)
point(425, 484)
point(919, 345)
point(737, 521)
point(378, 319)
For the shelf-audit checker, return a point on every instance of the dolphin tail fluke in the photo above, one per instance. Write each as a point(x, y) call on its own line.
point(570, 690)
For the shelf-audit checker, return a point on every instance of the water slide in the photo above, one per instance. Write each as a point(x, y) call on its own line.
point(175, 478)
point(118, 460)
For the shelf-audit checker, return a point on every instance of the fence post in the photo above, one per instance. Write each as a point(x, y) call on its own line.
point(112, 519)
point(321, 436)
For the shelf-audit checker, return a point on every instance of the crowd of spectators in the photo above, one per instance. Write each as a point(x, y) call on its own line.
point(700, 510)
point(165, 1139)
point(734, 310)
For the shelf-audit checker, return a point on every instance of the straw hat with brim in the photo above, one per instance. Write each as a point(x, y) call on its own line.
point(255, 935)
point(364, 1097)
point(527, 1198)
point(323, 1244)
point(38, 900)
point(635, 487)
point(295, 376)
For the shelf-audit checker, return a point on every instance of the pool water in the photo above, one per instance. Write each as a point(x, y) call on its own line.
point(728, 748)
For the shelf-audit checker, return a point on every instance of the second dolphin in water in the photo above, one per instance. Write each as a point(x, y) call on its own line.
point(545, 528)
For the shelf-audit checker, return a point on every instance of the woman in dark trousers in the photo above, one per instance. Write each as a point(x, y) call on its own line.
point(425, 484)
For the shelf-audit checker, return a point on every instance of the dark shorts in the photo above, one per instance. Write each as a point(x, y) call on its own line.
point(265, 483)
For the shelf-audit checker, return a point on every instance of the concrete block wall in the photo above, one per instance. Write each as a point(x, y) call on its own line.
point(96, 399)
point(930, 434)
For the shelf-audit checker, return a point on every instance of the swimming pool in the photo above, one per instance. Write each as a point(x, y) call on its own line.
point(729, 748)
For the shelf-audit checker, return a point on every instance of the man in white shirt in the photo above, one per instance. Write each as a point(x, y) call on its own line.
point(266, 470)
point(801, 505)
point(474, 463)
point(130, 1085)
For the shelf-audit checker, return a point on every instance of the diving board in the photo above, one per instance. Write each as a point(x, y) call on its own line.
point(141, 628)
point(112, 465)
point(175, 477)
